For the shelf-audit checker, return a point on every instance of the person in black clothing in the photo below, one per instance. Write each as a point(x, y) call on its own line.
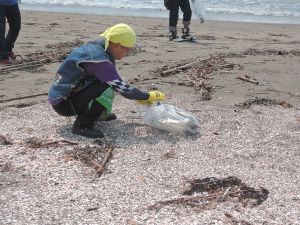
point(173, 6)
point(9, 10)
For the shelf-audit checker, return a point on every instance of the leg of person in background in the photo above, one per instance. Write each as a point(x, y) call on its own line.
point(173, 19)
point(3, 50)
point(187, 15)
point(14, 21)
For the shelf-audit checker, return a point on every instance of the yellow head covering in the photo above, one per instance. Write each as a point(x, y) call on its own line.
point(120, 33)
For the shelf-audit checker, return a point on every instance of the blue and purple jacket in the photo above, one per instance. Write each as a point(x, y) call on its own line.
point(87, 64)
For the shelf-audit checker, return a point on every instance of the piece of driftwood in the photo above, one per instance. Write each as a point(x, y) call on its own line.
point(18, 65)
point(29, 96)
point(179, 68)
point(39, 143)
point(183, 200)
point(247, 79)
point(21, 66)
point(55, 53)
point(100, 167)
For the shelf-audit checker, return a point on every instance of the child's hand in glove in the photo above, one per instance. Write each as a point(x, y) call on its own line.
point(154, 96)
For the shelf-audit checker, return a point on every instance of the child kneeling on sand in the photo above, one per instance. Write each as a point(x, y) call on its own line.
point(86, 81)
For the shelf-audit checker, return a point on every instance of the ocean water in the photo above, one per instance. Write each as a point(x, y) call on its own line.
point(269, 11)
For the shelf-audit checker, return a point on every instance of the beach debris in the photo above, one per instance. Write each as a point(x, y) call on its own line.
point(278, 35)
point(264, 52)
point(94, 156)
point(248, 79)
point(206, 193)
point(53, 24)
point(5, 167)
point(164, 73)
point(24, 97)
point(22, 105)
point(254, 51)
point(263, 101)
point(197, 73)
point(207, 37)
point(4, 140)
point(135, 50)
point(201, 68)
point(55, 53)
point(230, 219)
point(169, 155)
point(40, 143)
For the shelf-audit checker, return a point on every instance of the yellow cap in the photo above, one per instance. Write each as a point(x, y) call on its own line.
point(120, 33)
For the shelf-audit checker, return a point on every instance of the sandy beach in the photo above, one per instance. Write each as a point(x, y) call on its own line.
point(241, 80)
point(268, 53)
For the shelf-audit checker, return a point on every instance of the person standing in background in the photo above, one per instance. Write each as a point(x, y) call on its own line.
point(9, 10)
point(173, 6)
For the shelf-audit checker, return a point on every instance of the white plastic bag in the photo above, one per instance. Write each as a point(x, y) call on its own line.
point(172, 119)
point(199, 9)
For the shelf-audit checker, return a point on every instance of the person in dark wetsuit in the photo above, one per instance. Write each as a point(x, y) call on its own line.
point(10, 13)
point(86, 81)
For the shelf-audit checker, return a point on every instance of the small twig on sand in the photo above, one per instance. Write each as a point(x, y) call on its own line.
point(186, 199)
point(247, 79)
point(5, 67)
point(100, 167)
point(224, 195)
point(29, 96)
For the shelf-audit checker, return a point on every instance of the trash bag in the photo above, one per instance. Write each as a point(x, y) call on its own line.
point(172, 119)
point(199, 9)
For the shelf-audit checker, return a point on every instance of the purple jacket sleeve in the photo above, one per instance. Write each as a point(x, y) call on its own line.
point(106, 72)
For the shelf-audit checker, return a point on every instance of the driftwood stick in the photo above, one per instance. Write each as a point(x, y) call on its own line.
point(29, 96)
point(179, 68)
point(187, 199)
point(61, 141)
point(19, 68)
point(247, 79)
point(225, 193)
point(20, 65)
point(96, 165)
point(100, 168)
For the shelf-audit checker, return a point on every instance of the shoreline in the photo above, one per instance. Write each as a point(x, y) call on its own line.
point(159, 13)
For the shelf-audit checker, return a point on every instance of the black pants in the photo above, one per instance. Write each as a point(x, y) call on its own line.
point(78, 104)
point(11, 13)
point(185, 7)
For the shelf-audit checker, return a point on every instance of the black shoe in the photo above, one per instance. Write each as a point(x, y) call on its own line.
point(173, 35)
point(89, 132)
point(186, 33)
